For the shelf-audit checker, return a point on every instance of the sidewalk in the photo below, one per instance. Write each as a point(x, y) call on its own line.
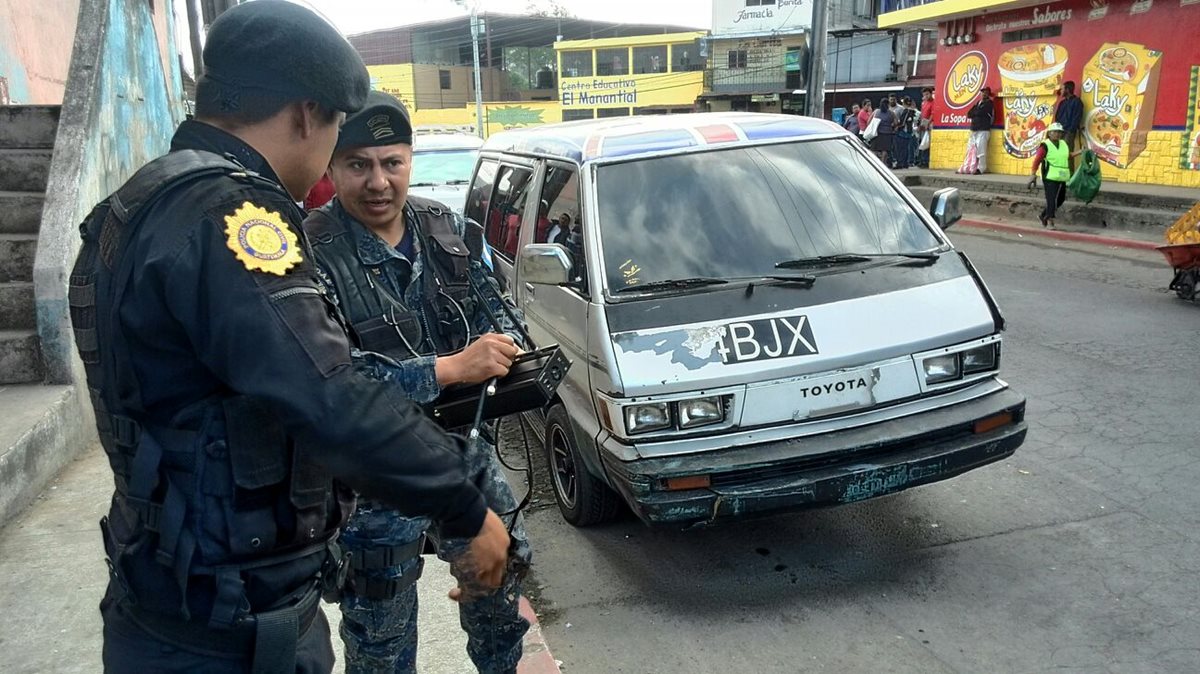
point(1122, 210)
point(1133, 240)
point(51, 560)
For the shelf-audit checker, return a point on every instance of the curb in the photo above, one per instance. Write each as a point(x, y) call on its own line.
point(537, 658)
point(1079, 237)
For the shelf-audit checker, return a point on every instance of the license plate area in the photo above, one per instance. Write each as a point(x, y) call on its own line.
point(829, 393)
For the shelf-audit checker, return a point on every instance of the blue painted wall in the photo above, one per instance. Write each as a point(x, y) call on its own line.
point(121, 107)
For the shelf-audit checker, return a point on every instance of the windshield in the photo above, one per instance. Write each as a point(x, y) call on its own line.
point(737, 213)
point(439, 167)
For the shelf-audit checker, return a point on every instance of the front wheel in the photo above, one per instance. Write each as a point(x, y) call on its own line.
point(582, 498)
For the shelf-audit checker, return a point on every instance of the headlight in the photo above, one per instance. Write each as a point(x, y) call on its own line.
point(647, 417)
point(981, 358)
point(940, 369)
point(700, 412)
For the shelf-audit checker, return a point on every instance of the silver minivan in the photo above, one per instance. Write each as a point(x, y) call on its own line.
point(761, 317)
point(442, 163)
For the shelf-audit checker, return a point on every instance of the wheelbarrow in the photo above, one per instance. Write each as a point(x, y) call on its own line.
point(1184, 258)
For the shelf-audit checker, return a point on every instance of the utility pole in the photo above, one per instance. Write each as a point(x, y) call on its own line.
point(475, 22)
point(814, 103)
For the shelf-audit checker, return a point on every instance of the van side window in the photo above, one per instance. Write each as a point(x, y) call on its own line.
point(502, 223)
point(481, 192)
point(560, 219)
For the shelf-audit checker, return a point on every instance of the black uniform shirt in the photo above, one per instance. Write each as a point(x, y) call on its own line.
point(199, 323)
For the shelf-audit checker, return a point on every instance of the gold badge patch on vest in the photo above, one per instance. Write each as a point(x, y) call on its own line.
point(261, 240)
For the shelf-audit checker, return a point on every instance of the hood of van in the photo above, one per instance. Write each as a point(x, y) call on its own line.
point(775, 332)
point(454, 196)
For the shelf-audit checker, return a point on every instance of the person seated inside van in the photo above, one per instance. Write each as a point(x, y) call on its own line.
point(559, 230)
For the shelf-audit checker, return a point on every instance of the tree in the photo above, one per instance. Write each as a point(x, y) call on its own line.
point(548, 8)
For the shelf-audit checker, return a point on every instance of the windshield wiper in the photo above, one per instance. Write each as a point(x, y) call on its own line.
point(422, 184)
point(849, 258)
point(675, 284)
point(457, 182)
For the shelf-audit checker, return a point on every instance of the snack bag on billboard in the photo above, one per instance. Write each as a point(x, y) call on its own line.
point(1032, 69)
point(1029, 78)
point(1120, 85)
point(1025, 122)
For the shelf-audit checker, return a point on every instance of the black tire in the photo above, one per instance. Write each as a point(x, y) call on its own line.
point(583, 499)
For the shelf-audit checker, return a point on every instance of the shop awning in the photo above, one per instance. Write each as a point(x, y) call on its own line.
point(944, 10)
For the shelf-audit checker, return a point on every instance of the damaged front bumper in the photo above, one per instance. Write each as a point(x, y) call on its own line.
point(837, 467)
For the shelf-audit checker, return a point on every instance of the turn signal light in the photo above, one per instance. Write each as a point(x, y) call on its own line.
point(993, 422)
point(689, 482)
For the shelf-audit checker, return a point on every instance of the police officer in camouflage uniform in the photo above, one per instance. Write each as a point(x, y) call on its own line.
point(402, 274)
point(228, 396)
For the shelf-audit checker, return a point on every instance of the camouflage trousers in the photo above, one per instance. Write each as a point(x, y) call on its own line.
point(380, 635)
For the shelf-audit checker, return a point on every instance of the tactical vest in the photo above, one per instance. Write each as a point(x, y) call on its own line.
point(379, 320)
point(225, 507)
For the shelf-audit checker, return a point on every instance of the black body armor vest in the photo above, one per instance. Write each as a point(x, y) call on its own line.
point(379, 320)
point(207, 521)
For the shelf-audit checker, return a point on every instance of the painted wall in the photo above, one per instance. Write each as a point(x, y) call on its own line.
point(497, 116)
point(419, 85)
point(1133, 63)
point(35, 50)
point(764, 69)
point(122, 103)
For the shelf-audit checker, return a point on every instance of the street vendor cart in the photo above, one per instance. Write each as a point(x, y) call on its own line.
point(1183, 253)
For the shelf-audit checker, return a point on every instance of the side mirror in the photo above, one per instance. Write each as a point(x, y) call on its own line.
point(546, 264)
point(946, 208)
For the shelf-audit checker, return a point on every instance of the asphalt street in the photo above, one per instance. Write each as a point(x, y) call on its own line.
point(1078, 554)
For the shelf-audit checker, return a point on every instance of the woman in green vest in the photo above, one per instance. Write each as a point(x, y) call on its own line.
point(1054, 159)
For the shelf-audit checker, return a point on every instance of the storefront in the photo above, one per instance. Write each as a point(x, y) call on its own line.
point(1135, 64)
point(618, 77)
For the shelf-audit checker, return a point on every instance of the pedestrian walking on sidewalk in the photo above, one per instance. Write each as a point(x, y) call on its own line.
point(1053, 159)
point(865, 112)
point(229, 401)
point(379, 251)
point(982, 116)
point(881, 144)
point(903, 148)
point(851, 121)
point(925, 127)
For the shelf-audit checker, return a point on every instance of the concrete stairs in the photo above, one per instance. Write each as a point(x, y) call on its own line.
point(26, 145)
point(1137, 208)
point(40, 425)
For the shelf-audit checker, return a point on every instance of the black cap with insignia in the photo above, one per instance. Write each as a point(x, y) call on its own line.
point(383, 121)
point(288, 49)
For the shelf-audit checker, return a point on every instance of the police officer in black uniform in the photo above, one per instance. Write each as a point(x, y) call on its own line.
point(228, 398)
point(408, 279)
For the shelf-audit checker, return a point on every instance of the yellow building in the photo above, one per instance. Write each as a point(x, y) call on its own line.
point(429, 86)
point(443, 96)
point(616, 77)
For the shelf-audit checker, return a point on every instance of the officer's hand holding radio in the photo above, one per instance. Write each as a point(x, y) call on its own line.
point(489, 356)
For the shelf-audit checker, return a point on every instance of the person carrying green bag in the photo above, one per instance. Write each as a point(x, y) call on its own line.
point(1053, 158)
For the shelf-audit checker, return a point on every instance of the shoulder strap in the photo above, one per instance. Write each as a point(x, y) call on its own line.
point(147, 186)
point(320, 225)
point(169, 171)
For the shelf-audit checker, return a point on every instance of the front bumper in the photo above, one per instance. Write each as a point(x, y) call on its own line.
point(838, 467)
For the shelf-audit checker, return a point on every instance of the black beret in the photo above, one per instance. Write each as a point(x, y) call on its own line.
point(383, 121)
point(288, 49)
